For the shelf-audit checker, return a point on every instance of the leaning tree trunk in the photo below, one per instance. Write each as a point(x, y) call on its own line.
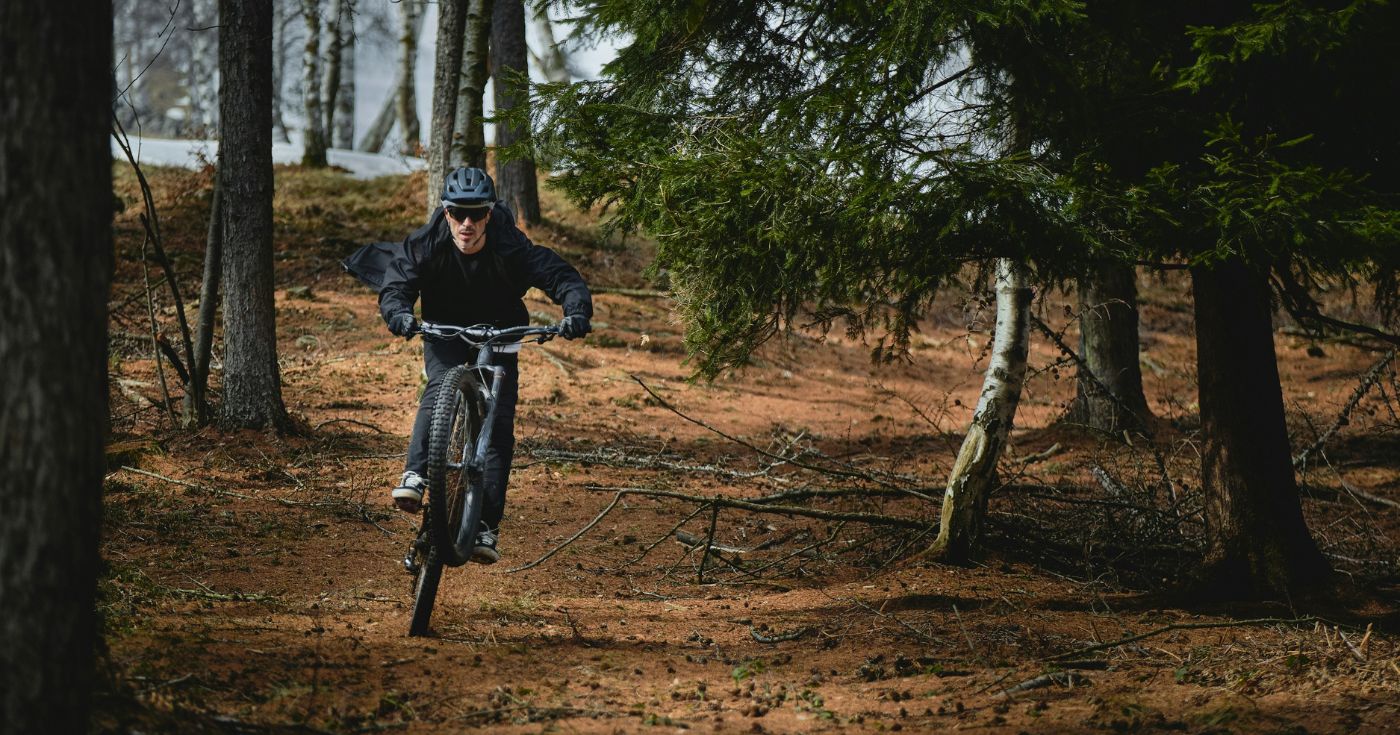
point(452, 16)
point(196, 406)
point(252, 385)
point(55, 278)
point(330, 79)
point(1109, 398)
point(314, 139)
point(373, 140)
point(408, 58)
point(1258, 544)
point(974, 472)
point(515, 179)
point(469, 131)
point(342, 129)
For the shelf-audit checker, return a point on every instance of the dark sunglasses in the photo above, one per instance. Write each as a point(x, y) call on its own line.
point(462, 214)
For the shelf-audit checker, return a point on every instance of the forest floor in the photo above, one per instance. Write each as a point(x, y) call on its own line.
point(253, 581)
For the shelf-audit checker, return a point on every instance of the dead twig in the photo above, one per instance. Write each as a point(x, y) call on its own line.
point(659, 541)
point(356, 422)
point(1369, 380)
point(571, 539)
point(759, 450)
point(826, 515)
point(1180, 626)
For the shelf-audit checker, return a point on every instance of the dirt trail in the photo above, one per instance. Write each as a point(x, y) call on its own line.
point(262, 592)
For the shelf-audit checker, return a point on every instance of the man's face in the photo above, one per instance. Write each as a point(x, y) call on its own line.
point(468, 226)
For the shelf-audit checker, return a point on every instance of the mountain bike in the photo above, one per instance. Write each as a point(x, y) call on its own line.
point(460, 433)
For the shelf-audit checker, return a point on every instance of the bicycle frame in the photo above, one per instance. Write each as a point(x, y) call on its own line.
point(486, 339)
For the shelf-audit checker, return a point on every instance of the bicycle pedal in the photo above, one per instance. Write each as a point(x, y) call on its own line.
point(410, 562)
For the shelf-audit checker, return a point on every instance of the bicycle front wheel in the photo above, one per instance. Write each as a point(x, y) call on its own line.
point(454, 490)
point(425, 586)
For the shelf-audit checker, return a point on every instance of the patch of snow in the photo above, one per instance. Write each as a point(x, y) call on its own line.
point(195, 153)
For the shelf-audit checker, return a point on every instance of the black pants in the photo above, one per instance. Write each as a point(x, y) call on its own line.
point(438, 358)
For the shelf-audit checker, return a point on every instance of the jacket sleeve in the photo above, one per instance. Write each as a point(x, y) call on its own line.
point(402, 275)
point(545, 270)
point(542, 268)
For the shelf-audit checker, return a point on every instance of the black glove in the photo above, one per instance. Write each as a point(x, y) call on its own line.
point(404, 325)
point(574, 327)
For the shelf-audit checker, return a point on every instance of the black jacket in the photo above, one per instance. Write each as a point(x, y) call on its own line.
point(484, 288)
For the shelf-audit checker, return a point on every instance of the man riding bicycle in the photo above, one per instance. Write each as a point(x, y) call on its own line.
point(471, 265)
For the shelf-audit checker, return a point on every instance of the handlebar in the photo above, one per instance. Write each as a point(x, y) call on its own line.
point(485, 335)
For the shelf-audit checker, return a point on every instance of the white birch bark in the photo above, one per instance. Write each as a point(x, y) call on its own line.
point(314, 141)
point(330, 74)
point(974, 472)
point(468, 133)
point(373, 140)
point(452, 17)
point(204, 67)
point(343, 122)
point(408, 58)
point(280, 20)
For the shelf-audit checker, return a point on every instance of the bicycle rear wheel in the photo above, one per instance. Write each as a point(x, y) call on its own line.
point(425, 585)
point(454, 491)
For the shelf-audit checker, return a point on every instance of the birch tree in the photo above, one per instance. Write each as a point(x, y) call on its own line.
point(314, 138)
point(281, 20)
point(378, 132)
point(342, 125)
point(974, 472)
point(469, 130)
point(452, 17)
point(203, 85)
point(408, 58)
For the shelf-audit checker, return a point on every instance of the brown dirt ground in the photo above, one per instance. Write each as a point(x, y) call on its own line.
point(254, 582)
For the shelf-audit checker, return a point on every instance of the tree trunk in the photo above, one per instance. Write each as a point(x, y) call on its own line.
point(343, 127)
point(1108, 345)
point(373, 141)
point(974, 472)
point(469, 131)
point(550, 59)
point(515, 179)
point(196, 406)
point(55, 279)
point(314, 139)
point(280, 20)
point(1258, 544)
point(252, 385)
point(408, 57)
point(330, 80)
point(452, 17)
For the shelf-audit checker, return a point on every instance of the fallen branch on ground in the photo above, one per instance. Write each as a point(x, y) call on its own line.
point(1181, 626)
point(350, 421)
point(874, 519)
point(852, 474)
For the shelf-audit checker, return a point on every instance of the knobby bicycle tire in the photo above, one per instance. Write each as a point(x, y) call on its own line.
point(454, 494)
point(425, 586)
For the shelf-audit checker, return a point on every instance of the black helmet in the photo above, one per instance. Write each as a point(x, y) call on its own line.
point(468, 187)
